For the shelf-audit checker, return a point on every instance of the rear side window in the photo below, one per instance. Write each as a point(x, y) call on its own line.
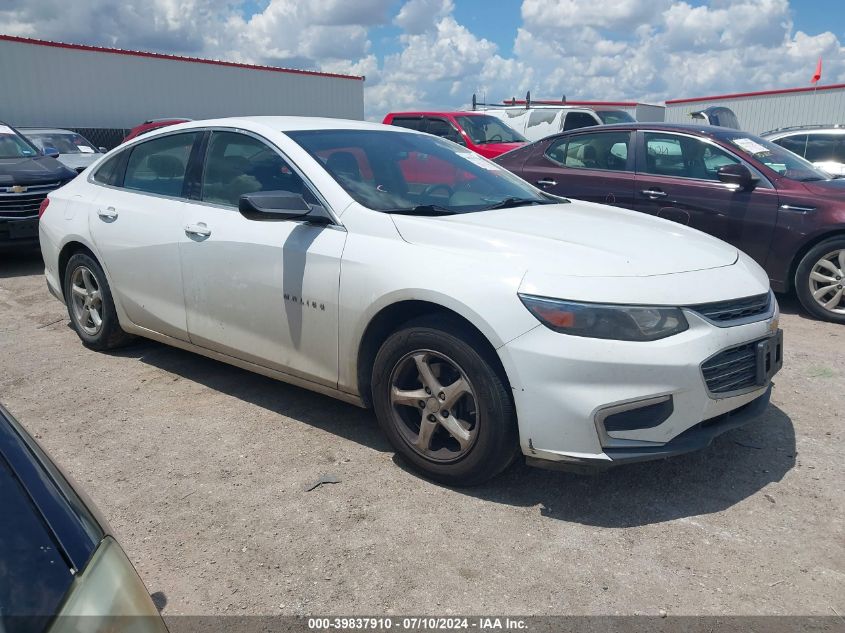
point(109, 172)
point(409, 123)
point(34, 576)
point(158, 165)
point(575, 120)
point(238, 164)
point(601, 150)
point(825, 148)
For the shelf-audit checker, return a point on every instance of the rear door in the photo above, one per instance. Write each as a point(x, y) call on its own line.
point(137, 223)
point(592, 166)
point(677, 180)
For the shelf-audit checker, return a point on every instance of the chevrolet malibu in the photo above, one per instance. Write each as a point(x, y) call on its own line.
point(479, 316)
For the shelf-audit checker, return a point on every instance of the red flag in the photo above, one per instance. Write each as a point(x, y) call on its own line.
point(818, 74)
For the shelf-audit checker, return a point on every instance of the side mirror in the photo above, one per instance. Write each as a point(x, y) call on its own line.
point(737, 174)
point(279, 206)
point(50, 151)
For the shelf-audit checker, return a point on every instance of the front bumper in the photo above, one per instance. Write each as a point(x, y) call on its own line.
point(566, 387)
point(18, 232)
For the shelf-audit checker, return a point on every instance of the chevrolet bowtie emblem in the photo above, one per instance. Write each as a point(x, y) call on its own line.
point(17, 189)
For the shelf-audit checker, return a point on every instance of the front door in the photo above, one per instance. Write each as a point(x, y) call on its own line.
point(262, 291)
point(592, 166)
point(677, 180)
point(137, 224)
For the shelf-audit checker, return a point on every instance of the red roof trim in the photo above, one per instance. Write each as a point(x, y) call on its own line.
point(760, 93)
point(618, 104)
point(194, 60)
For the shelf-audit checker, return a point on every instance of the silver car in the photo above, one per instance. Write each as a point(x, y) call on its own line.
point(72, 149)
point(822, 145)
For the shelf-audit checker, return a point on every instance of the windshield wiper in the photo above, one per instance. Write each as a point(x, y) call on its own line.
point(423, 209)
point(507, 203)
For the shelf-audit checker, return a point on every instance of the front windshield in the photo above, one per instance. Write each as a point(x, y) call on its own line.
point(64, 142)
point(13, 146)
point(404, 172)
point(609, 117)
point(776, 158)
point(483, 129)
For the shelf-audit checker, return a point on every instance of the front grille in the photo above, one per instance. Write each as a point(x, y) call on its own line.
point(24, 205)
point(734, 369)
point(726, 313)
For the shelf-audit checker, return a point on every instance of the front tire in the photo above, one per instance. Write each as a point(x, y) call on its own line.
point(442, 404)
point(90, 305)
point(820, 280)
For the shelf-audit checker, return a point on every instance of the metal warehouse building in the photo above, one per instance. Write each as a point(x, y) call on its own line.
point(770, 109)
point(102, 92)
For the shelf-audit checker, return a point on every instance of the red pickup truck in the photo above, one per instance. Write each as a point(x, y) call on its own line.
point(480, 132)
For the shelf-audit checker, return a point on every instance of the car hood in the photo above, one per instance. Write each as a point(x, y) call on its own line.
point(495, 149)
point(78, 161)
point(32, 171)
point(579, 239)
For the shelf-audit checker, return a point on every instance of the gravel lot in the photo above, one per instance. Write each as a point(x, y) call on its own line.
point(201, 468)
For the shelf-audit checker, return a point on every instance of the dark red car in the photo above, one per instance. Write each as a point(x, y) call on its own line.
point(780, 209)
point(149, 126)
point(482, 133)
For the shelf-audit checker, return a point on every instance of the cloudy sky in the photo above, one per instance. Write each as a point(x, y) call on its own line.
point(436, 53)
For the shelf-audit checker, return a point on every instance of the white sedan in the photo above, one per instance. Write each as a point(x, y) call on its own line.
point(477, 315)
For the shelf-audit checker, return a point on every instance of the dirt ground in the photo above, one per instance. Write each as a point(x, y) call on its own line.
point(201, 467)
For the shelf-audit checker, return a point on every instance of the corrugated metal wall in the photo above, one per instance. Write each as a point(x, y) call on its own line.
point(64, 87)
point(761, 113)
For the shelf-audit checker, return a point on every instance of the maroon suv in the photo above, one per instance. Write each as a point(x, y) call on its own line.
point(780, 209)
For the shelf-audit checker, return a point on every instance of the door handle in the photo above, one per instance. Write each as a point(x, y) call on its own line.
point(108, 213)
point(653, 193)
point(546, 182)
point(200, 230)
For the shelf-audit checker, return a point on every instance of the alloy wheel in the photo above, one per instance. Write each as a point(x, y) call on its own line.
point(434, 405)
point(827, 281)
point(86, 300)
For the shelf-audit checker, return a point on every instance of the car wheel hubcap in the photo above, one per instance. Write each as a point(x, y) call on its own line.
point(86, 300)
point(827, 281)
point(434, 406)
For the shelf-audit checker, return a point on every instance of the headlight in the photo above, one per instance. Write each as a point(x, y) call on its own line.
point(596, 320)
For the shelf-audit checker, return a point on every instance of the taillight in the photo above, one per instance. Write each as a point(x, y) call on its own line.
point(44, 204)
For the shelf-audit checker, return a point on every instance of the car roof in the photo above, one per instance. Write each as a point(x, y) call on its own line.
point(46, 130)
point(706, 130)
point(437, 113)
point(281, 124)
point(803, 129)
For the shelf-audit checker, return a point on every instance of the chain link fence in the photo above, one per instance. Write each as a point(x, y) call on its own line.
point(102, 137)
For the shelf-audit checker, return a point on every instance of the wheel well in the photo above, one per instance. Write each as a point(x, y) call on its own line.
point(796, 261)
point(392, 318)
point(68, 251)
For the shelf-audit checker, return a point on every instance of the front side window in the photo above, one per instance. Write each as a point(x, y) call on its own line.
point(158, 165)
point(796, 144)
point(602, 150)
point(576, 120)
point(409, 123)
point(825, 148)
point(684, 157)
point(443, 129)
point(401, 172)
point(237, 164)
point(484, 129)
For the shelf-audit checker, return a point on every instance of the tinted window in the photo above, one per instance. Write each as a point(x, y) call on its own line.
point(575, 120)
point(602, 150)
point(158, 166)
point(34, 576)
point(443, 129)
point(409, 171)
point(483, 129)
point(824, 148)
point(410, 123)
point(237, 164)
point(684, 157)
point(614, 116)
point(109, 172)
point(796, 144)
point(775, 157)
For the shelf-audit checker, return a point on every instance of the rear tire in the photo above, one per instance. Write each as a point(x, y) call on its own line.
point(442, 404)
point(90, 305)
point(820, 280)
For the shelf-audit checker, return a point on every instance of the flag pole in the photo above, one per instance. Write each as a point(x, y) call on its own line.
point(815, 81)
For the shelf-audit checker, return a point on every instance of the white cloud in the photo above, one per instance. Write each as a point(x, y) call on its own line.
point(589, 49)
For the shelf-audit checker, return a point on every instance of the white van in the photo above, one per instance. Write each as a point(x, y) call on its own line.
point(539, 121)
